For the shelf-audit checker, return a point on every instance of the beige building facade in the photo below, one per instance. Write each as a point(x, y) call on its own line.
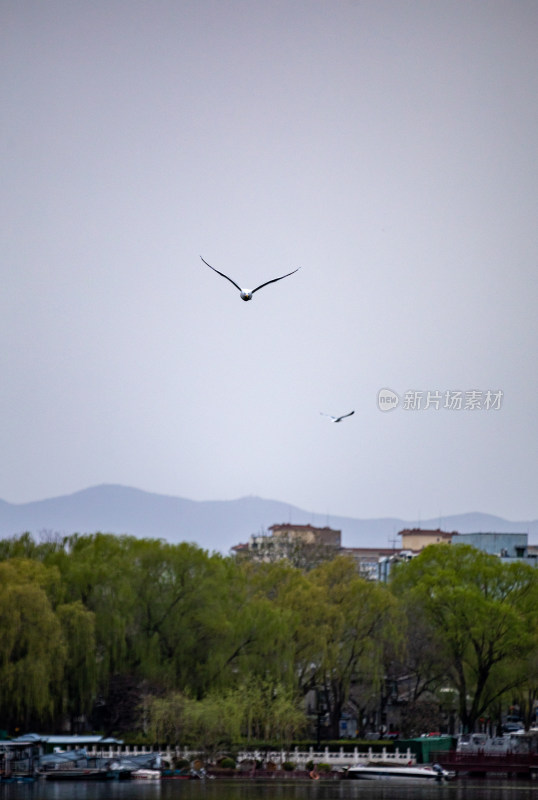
point(416, 539)
point(292, 541)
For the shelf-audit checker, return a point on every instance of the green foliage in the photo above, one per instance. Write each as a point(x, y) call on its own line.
point(356, 620)
point(221, 718)
point(484, 617)
point(80, 671)
point(32, 651)
point(200, 650)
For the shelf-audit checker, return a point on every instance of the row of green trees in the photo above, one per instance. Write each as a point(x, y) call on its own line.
point(194, 647)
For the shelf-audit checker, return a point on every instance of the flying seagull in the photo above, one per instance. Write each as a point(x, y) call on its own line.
point(246, 294)
point(336, 419)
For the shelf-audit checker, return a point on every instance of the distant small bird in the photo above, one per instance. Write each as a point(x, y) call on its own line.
point(336, 419)
point(246, 294)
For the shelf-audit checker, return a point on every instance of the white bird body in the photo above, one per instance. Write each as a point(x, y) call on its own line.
point(246, 294)
point(336, 419)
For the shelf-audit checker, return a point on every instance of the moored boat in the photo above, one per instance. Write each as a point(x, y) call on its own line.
point(75, 774)
point(147, 774)
point(423, 774)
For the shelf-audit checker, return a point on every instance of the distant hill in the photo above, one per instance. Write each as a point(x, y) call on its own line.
point(214, 525)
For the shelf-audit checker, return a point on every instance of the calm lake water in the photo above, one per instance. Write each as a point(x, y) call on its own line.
point(459, 789)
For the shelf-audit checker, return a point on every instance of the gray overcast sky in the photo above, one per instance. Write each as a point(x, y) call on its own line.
point(388, 148)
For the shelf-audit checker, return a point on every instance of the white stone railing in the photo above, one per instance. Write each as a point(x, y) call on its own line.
point(336, 758)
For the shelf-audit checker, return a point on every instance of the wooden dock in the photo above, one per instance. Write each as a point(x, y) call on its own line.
point(520, 764)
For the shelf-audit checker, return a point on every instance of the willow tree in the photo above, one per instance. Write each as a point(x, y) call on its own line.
point(485, 616)
point(274, 711)
point(417, 670)
point(257, 709)
point(356, 620)
point(275, 624)
point(97, 571)
point(80, 672)
point(183, 615)
point(207, 725)
point(32, 649)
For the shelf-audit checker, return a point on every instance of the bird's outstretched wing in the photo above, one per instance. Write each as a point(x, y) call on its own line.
point(221, 273)
point(336, 419)
point(274, 280)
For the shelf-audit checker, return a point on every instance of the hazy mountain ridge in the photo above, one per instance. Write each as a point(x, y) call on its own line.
point(215, 524)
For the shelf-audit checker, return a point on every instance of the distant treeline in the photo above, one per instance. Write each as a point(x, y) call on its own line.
point(124, 634)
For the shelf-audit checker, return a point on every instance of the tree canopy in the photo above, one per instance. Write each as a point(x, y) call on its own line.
point(141, 634)
point(484, 613)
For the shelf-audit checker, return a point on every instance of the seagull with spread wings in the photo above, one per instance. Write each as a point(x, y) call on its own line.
point(246, 294)
point(336, 419)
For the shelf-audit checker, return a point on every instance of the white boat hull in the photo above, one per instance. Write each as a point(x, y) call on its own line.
point(426, 774)
point(147, 774)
